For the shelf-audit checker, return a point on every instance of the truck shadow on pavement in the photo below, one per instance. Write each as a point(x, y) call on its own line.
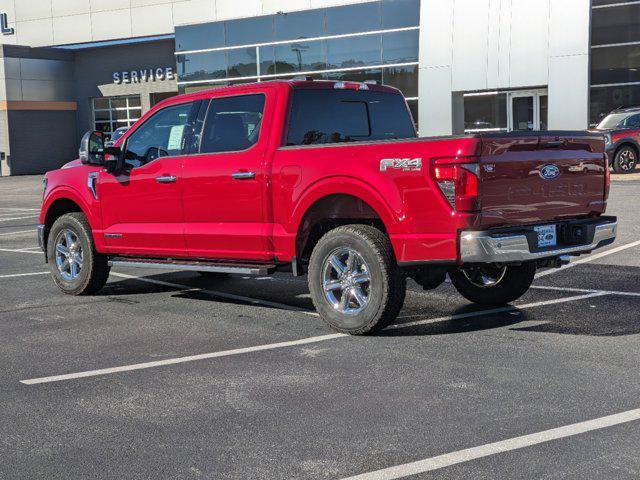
point(603, 316)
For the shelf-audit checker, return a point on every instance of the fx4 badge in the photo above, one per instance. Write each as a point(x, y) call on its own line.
point(404, 164)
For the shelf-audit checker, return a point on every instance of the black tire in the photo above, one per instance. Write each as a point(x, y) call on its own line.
point(94, 272)
point(625, 160)
point(385, 291)
point(512, 285)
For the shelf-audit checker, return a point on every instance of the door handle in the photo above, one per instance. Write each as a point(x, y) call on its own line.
point(166, 179)
point(244, 175)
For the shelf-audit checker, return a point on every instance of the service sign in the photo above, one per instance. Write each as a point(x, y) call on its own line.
point(145, 75)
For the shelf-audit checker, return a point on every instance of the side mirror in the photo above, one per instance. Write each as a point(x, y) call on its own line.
point(112, 157)
point(92, 148)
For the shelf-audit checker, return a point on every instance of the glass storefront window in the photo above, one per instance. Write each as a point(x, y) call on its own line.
point(248, 31)
point(354, 51)
point(403, 78)
point(241, 62)
point(357, 76)
point(292, 26)
point(353, 56)
point(199, 37)
point(300, 57)
point(606, 99)
point(485, 112)
point(202, 66)
point(115, 112)
point(400, 47)
point(615, 25)
point(364, 17)
point(400, 13)
point(615, 64)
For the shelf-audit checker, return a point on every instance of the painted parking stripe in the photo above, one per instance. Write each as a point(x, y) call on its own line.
point(14, 275)
point(586, 290)
point(192, 358)
point(21, 232)
point(16, 209)
point(272, 346)
point(588, 259)
point(15, 250)
point(17, 218)
point(517, 443)
point(505, 309)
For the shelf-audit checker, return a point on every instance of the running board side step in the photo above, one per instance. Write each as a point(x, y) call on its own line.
point(197, 266)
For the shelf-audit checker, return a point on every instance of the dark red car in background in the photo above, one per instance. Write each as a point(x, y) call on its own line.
point(622, 129)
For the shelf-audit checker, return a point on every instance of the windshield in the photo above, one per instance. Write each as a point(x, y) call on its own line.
point(612, 120)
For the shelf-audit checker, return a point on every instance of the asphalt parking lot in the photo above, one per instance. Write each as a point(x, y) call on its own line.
point(176, 376)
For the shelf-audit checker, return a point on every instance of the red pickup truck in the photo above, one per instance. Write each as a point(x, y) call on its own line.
point(326, 179)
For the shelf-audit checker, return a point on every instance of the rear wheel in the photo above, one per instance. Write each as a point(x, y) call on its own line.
point(76, 267)
point(354, 280)
point(493, 285)
point(626, 160)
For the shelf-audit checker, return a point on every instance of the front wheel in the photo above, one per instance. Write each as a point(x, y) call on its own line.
point(626, 160)
point(354, 280)
point(76, 267)
point(493, 285)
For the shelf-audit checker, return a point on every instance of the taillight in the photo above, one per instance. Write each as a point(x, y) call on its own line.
point(459, 183)
point(607, 177)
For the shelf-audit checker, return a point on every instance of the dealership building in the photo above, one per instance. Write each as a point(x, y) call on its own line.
point(68, 66)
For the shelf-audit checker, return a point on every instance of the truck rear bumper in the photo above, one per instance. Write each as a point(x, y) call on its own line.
point(520, 245)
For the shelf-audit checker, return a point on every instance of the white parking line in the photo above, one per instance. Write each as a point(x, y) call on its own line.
point(17, 218)
point(17, 233)
point(14, 250)
point(272, 346)
point(24, 274)
point(173, 361)
point(468, 454)
point(587, 290)
point(590, 258)
point(15, 209)
point(508, 308)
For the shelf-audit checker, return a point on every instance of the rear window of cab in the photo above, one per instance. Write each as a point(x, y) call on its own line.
point(323, 116)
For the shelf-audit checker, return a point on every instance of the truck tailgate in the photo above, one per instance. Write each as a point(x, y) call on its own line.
point(535, 177)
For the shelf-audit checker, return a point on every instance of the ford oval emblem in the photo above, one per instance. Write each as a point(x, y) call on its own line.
point(549, 172)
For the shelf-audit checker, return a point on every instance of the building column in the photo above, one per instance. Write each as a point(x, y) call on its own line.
point(435, 60)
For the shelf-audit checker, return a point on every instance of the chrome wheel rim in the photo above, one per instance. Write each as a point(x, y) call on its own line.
point(69, 255)
point(346, 281)
point(627, 160)
point(485, 277)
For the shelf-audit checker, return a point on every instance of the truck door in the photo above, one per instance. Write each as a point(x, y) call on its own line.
point(142, 206)
point(224, 183)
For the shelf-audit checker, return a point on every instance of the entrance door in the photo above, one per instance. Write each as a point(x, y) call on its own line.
point(527, 110)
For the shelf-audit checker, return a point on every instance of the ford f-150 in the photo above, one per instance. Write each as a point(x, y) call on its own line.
point(329, 180)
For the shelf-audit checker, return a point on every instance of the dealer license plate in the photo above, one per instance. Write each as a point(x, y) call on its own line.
point(547, 236)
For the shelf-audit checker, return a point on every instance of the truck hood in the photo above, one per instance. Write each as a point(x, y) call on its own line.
point(72, 164)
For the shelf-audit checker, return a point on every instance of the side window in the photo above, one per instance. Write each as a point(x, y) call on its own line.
point(162, 135)
point(632, 122)
point(232, 124)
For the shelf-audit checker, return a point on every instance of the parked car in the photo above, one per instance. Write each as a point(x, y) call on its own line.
point(622, 132)
point(329, 180)
point(115, 136)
